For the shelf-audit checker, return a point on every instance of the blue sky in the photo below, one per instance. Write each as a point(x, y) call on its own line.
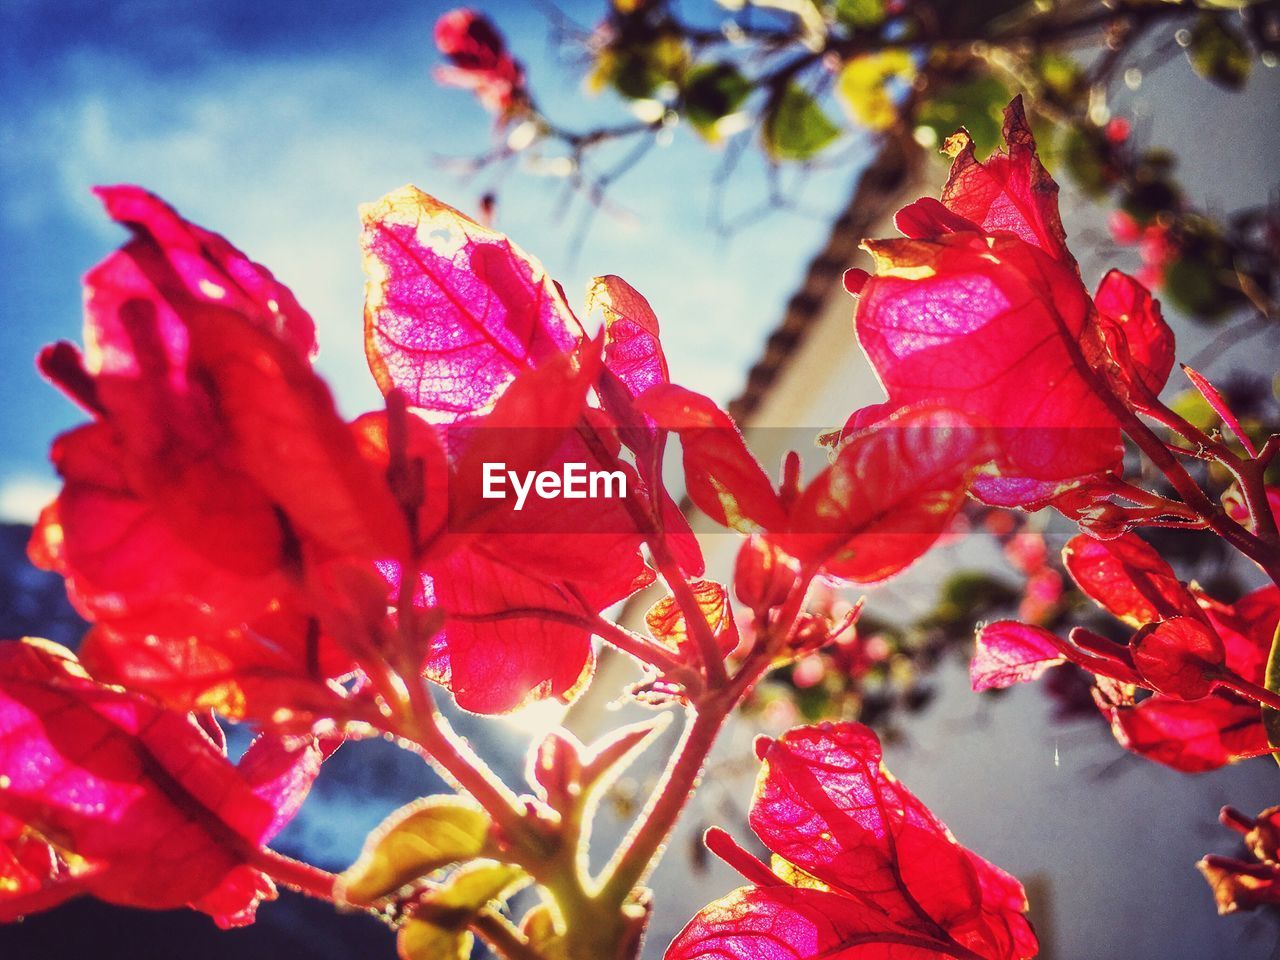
point(270, 122)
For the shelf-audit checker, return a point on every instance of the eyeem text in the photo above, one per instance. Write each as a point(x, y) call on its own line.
point(573, 482)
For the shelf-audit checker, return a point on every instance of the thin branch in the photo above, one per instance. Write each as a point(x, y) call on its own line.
point(1253, 691)
point(636, 856)
point(503, 937)
point(416, 719)
point(295, 874)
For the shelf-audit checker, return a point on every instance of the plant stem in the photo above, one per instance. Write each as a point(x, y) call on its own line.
point(418, 720)
point(629, 643)
point(1265, 555)
point(498, 932)
point(1251, 690)
point(294, 874)
point(1251, 476)
point(1135, 494)
point(634, 645)
point(463, 766)
point(635, 858)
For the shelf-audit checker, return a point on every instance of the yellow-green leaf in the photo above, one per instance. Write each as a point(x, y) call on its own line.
point(796, 128)
point(1060, 73)
point(1270, 717)
point(977, 105)
point(860, 13)
point(473, 887)
point(640, 71)
point(419, 940)
point(1193, 407)
point(1219, 52)
point(863, 86)
point(545, 933)
point(415, 840)
point(437, 930)
point(712, 92)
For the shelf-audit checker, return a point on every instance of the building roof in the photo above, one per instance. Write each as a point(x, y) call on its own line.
point(879, 190)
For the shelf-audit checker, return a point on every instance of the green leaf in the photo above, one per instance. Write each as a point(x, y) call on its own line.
point(977, 105)
point(975, 18)
point(1195, 409)
point(1084, 157)
point(1270, 717)
point(639, 71)
point(1193, 286)
point(859, 13)
point(713, 91)
point(796, 127)
point(863, 86)
point(1219, 52)
point(423, 836)
point(1061, 74)
point(437, 930)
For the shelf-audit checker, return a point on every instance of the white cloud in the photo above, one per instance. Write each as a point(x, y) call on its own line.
point(22, 497)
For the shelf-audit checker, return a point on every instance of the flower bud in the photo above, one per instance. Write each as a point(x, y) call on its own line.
point(764, 575)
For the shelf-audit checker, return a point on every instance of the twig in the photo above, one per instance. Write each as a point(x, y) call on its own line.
point(499, 933)
point(295, 874)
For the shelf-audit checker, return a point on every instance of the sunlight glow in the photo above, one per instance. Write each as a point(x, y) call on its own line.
point(538, 718)
point(23, 497)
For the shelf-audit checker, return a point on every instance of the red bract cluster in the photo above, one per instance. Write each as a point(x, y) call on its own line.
point(243, 550)
point(1252, 883)
point(1194, 653)
point(981, 307)
point(1157, 248)
point(470, 331)
point(479, 61)
point(217, 496)
point(104, 792)
point(238, 546)
point(861, 868)
point(234, 541)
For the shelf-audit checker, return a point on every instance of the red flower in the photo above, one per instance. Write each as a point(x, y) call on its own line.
point(480, 61)
point(1124, 228)
point(471, 331)
point(1155, 243)
point(104, 793)
point(861, 868)
point(216, 485)
point(1028, 553)
point(893, 489)
point(981, 308)
point(891, 492)
point(721, 476)
point(634, 365)
point(1238, 510)
point(1247, 884)
point(1185, 644)
point(220, 523)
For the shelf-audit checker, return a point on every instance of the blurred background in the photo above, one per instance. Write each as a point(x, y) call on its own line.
point(271, 122)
